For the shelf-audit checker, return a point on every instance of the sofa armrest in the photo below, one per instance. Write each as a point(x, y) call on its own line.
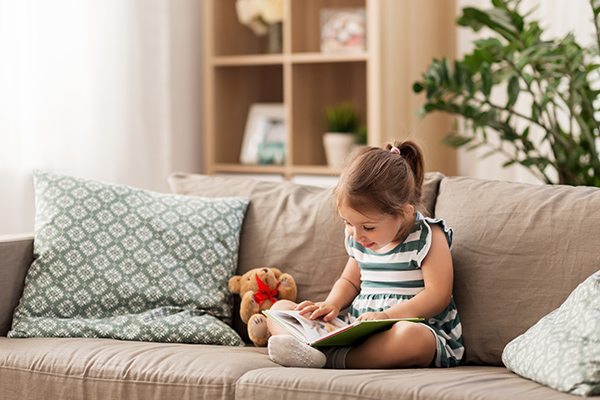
point(16, 255)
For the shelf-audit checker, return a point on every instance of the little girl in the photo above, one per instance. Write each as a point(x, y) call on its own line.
point(399, 267)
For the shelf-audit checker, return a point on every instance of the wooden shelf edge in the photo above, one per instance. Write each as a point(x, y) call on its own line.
point(250, 168)
point(276, 169)
point(252, 59)
point(328, 57)
point(295, 58)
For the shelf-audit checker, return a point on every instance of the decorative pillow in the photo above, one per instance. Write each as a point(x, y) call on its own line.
point(563, 349)
point(113, 261)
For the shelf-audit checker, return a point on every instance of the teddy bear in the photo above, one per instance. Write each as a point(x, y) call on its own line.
point(259, 289)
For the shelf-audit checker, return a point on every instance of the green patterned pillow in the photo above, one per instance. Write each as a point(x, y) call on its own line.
point(113, 261)
point(563, 349)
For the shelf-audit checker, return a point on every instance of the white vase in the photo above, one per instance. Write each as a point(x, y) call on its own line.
point(337, 148)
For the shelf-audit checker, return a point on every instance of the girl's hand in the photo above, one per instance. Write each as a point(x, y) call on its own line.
point(371, 316)
point(317, 310)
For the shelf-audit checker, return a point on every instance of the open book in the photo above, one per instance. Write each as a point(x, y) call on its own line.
point(335, 333)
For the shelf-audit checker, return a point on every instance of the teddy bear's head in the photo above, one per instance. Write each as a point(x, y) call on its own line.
point(251, 280)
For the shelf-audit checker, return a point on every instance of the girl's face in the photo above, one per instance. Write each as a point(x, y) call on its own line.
point(376, 232)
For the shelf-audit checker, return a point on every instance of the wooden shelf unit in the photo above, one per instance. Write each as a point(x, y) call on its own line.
point(238, 74)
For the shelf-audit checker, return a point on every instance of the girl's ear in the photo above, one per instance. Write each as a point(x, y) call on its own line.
point(409, 210)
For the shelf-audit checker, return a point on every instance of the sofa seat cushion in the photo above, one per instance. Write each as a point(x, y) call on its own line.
point(461, 383)
point(77, 368)
point(519, 250)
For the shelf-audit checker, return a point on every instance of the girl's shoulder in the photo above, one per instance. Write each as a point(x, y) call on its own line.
point(423, 224)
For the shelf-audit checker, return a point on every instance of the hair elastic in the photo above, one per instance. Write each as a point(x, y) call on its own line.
point(395, 150)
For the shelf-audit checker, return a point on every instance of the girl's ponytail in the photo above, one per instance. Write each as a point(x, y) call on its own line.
point(413, 155)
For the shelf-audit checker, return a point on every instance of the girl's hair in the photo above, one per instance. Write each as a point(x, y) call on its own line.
point(382, 179)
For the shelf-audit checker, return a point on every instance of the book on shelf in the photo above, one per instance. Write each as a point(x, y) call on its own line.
point(316, 332)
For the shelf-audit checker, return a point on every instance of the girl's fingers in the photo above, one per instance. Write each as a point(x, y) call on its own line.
point(330, 316)
point(303, 305)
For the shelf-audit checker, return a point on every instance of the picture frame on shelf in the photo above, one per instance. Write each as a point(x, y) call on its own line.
point(265, 135)
point(343, 30)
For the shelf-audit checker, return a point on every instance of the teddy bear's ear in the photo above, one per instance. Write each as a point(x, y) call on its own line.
point(235, 284)
point(276, 271)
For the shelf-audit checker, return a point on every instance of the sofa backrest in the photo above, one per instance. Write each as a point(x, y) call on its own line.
point(291, 227)
point(16, 255)
point(518, 252)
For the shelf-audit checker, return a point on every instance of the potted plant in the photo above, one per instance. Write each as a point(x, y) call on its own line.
point(554, 129)
point(343, 125)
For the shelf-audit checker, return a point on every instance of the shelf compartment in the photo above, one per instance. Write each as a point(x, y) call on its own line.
point(232, 38)
point(315, 87)
point(236, 89)
point(306, 23)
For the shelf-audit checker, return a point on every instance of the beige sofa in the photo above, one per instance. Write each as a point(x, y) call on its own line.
point(518, 251)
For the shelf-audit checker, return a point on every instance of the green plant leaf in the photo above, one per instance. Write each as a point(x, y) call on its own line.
point(342, 118)
point(418, 87)
point(513, 90)
point(486, 81)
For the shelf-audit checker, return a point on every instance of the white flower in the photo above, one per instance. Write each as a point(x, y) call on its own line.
point(271, 11)
point(259, 14)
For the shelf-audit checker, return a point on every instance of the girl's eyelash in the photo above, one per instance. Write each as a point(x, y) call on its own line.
point(368, 229)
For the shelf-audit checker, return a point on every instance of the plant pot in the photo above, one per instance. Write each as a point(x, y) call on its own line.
point(337, 148)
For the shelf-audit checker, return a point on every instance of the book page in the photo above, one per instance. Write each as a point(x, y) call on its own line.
point(305, 328)
point(315, 329)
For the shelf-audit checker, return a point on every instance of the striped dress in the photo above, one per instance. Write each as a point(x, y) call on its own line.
point(391, 278)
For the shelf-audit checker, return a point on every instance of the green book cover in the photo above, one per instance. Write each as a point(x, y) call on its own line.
point(335, 333)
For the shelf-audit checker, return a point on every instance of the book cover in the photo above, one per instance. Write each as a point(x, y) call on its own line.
point(335, 333)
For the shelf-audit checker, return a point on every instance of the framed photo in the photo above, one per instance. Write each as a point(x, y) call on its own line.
point(265, 136)
point(343, 30)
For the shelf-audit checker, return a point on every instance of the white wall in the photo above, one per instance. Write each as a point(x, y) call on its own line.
point(186, 80)
point(104, 89)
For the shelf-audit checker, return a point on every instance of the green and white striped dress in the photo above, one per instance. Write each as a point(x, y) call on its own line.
point(393, 277)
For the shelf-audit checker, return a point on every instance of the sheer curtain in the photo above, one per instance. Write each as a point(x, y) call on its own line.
point(557, 17)
point(84, 91)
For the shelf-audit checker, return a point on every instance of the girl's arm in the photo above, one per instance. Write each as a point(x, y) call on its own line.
point(343, 292)
point(438, 276)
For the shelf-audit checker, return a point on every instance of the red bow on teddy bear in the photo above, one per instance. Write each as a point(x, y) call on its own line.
point(264, 292)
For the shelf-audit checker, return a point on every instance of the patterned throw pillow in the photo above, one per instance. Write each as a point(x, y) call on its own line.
point(563, 349)
point(113, 261)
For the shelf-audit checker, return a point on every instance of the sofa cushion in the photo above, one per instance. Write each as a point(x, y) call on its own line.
point(463, 382)
point(563, 349)
point(77, 368)
point(519, 250)
point(291, 227)
point(119, 262)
